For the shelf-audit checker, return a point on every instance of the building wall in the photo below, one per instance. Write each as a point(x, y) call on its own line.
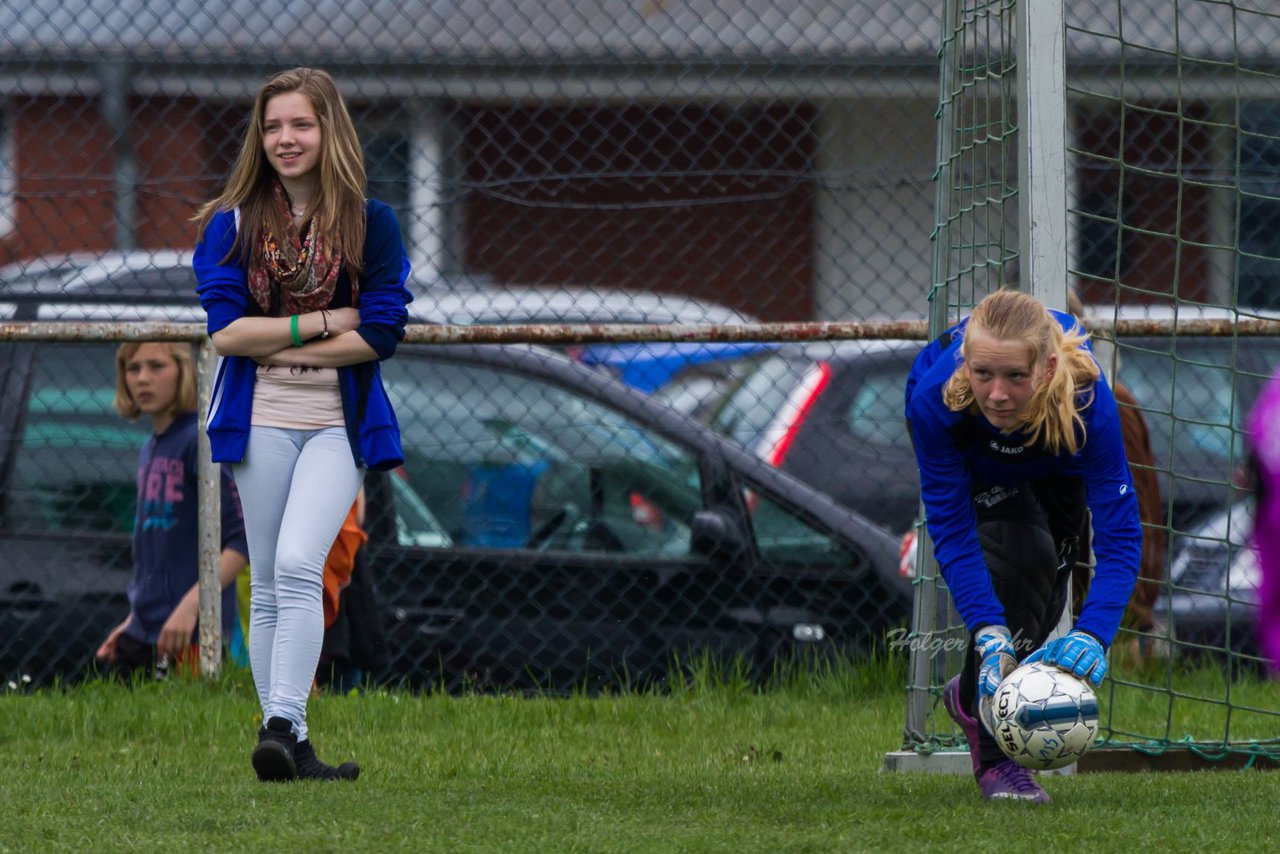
point(65, 182)
point(1144, 173)
point(704, 201)
point(875, 209)
point(181, 150)
point(786, 211)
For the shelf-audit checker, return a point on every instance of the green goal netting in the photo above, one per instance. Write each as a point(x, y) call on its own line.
point(1129, 151)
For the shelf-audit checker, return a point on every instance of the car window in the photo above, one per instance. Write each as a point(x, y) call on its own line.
point(697, 390)
point(510, 461)
point(875, 415)
point(416, 525)
point(74, 467)
point(786, 539)
point(689, 393)
point(1188, 391)
point(751, 409)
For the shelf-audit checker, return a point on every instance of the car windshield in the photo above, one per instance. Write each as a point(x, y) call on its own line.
point(75, 468)
point(750, 410)
point(508, 460)
point(496, 455)
point(875, 414)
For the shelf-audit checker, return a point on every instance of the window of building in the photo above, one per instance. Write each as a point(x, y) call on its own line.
point(1143, 209)
point(1259, 225)
point(386, 163)
point(8, 171)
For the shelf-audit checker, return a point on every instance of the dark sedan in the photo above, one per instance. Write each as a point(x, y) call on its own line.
point(1209, 609)
point(592, 536)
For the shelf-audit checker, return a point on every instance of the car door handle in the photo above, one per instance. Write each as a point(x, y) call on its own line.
point(428, 621)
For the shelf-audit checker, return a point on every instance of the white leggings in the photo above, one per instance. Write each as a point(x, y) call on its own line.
point(296, 487)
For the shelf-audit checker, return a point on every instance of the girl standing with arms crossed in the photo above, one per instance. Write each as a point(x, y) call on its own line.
point(303, 282)
point(1017, 437)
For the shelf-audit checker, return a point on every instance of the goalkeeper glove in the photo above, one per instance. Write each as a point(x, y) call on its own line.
point(1077, 652)
point(995, 649)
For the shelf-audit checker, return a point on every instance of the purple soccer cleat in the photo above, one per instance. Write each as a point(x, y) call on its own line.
point(967, 723)
point(1009, 781)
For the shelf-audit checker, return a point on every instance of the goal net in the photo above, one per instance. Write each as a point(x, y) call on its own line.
point(1129, 151)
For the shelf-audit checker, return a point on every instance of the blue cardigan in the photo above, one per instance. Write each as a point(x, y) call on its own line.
point(953, 449)
point(224, 294)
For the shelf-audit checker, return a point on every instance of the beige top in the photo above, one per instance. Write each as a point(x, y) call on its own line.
point(297, 398)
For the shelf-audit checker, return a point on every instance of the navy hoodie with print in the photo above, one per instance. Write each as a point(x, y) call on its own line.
point(166, 537)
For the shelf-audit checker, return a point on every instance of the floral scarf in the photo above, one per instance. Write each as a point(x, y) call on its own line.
point(295, 273)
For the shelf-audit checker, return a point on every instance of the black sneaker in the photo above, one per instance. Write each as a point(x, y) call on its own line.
point(311, 768)
point(273, 758)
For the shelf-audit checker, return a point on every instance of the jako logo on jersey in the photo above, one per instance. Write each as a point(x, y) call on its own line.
point(1006, 449)
point(1124, 488)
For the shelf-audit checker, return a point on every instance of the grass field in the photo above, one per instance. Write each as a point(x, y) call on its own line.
point(713, 766)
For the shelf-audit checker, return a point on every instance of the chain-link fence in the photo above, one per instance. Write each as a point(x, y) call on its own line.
point(666, 162)
point(606, 162)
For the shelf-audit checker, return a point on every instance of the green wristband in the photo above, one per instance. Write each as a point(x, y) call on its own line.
point(293, 331)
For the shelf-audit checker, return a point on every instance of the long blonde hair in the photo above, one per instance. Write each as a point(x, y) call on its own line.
point(1053, 413)
point(339, 204)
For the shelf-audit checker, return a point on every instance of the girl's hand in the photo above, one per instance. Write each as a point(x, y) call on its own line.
point(175, 635)
point(107, 652)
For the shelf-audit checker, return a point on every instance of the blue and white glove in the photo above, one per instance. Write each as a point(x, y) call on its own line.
point(998, 659)
point(1076, 652)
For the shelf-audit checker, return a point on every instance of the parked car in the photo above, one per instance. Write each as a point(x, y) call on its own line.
point(162, 281)
point(494, 304)
point(650, 366)
point(686, 377)
point(595, 533)
point(550, 528)
point(1209, 608)
point(141, 285)
point(1195, 392)
point(831, 414)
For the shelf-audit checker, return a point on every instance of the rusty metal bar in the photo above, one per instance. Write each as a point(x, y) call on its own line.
point(209, 476)
point(55, 330)
point(577, 333)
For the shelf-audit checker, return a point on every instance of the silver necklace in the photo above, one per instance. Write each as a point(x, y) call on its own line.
point(298, 212)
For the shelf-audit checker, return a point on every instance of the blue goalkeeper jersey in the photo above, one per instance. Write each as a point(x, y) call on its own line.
point(956, 449)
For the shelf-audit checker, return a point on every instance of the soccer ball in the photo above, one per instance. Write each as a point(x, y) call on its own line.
point(1043, 717)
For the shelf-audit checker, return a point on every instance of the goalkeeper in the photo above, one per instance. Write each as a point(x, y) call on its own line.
point(1017, 437)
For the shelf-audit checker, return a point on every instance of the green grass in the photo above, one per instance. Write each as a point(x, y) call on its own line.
point(711, 766)
point(1173, 704)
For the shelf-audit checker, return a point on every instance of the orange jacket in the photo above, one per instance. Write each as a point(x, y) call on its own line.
point(340, 562)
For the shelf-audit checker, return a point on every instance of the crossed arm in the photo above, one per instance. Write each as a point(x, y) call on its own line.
point(269, 340)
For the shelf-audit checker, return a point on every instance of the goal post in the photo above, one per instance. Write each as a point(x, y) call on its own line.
point(1128, 153)
point(987, 221)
